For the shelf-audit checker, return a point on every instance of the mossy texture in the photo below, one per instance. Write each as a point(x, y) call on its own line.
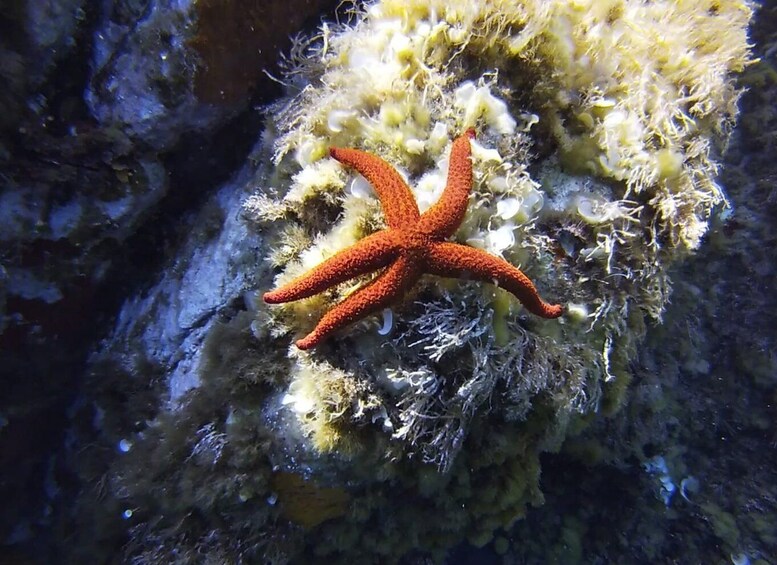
point(598, 127)
point(594, 171)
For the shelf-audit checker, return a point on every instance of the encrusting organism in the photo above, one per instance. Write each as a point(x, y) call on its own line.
point(413, 244)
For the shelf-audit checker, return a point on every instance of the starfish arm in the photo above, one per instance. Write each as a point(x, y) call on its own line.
point(443, 219)
point(392, 283)
point(397, 200)
point(368, 254)
point(448, 259)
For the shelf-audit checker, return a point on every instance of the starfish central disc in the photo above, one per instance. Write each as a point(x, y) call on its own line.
point(414, 244)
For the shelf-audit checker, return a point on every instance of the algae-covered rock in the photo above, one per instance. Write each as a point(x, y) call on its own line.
point(591, 173)
point(598, 128)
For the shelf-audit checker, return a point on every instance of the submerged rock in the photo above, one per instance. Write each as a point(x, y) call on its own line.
point(594, 171)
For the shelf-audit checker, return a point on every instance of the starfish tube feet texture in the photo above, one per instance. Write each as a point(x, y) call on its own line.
point(376, 251)
point(393, 282)
point(444, 218)
point(413, 244)
point(395, 196)
point(448, 259)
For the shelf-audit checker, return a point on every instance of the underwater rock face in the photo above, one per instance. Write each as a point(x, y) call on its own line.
point(594, 171)
point(143, 73)
point(83, 195)
point(80, 179)
point(37, 34)
point(163, 68)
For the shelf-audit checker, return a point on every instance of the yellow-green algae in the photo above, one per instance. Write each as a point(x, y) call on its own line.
point(598, 123)
point(598, 128)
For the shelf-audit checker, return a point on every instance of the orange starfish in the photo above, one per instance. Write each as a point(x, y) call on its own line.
point(413, 244)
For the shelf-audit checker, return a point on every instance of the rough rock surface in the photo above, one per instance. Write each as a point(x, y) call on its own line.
point(85, 266)
point(109, 133)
